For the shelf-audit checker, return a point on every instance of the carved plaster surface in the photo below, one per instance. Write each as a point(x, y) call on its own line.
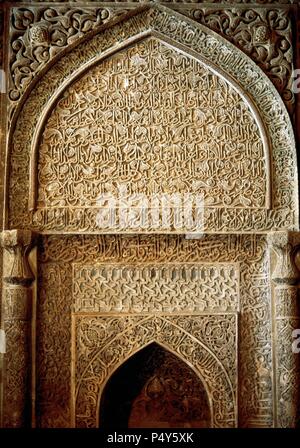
point(234, 270)
point(162, 374)
point(286, 303)
point(156, 287)
point(16, 318)
point(196, 347)
point(264, 34)
point(62, 259)
point(196, 40)
point(157, 122)
point(17, 245)
point(39, 33)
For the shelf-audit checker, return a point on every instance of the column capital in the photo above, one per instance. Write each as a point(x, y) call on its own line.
point(17, 237)
point(283, 239)
point(17, 245)
point(286, 245)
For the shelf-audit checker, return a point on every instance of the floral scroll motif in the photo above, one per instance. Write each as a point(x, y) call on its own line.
point(264, 34)
point(282, 213)
point(39, 34)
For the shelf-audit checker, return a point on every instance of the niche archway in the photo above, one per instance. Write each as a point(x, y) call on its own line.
point(278, 210)
point(95, 370)
point(154, 388)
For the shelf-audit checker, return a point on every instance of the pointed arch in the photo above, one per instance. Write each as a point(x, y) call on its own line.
point(154, 363)
point(281, 199)
point(221, 392)
point(115, 49)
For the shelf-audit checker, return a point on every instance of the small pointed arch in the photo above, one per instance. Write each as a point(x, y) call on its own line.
point(154, 388)
point(96, 371)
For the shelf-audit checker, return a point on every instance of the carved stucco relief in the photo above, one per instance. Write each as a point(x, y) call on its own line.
point(65, 263)
point(285, 276)
point(16, 322)
point(165, 287)
point(38, 34)
point(59, 263)
point(264, 34)
point(163, 374)
point(156, 122)
point(196, 40)
point(196, 346)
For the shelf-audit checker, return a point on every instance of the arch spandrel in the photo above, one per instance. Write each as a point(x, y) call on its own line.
point(279, 210)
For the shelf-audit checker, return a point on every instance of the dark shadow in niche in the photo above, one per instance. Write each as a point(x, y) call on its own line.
point(154, 389)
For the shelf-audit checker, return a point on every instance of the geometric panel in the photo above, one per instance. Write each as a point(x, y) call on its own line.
point(165, 287)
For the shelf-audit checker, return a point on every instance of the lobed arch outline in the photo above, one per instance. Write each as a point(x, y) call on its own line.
point(150, 21)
